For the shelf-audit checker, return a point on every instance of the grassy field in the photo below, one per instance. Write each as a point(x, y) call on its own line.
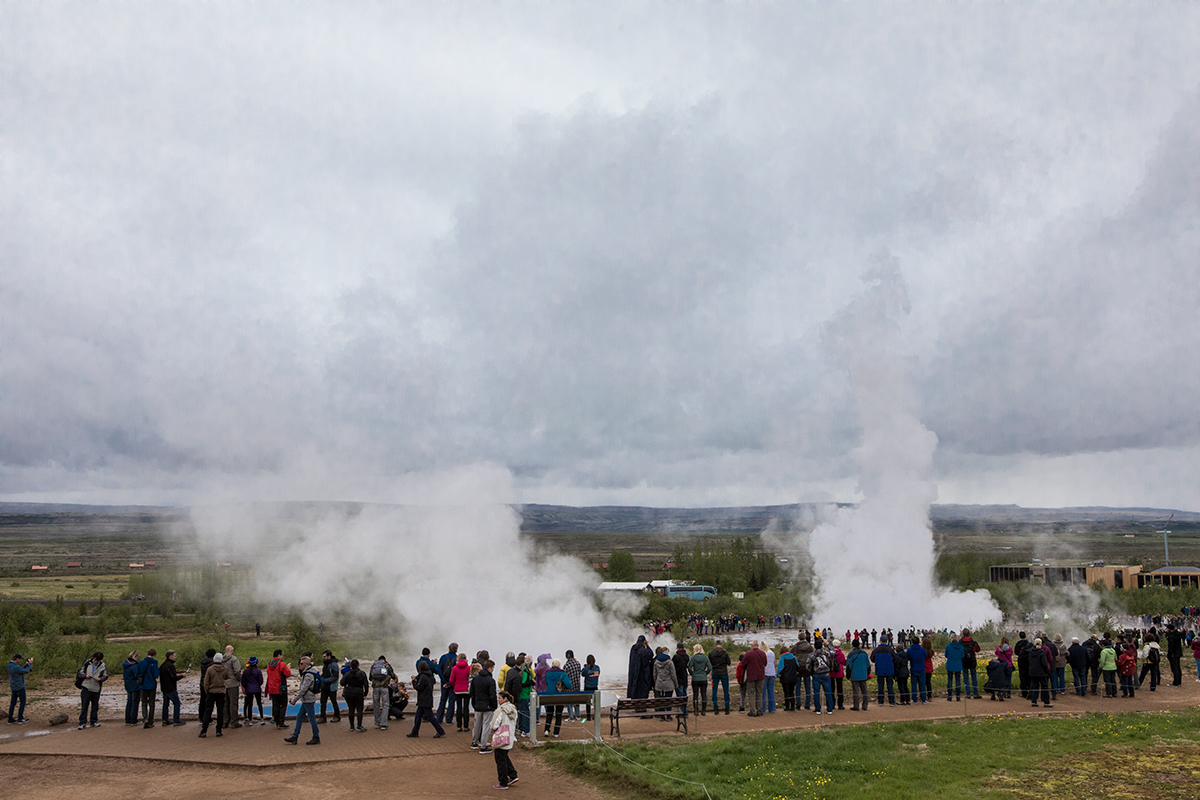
point(1117, 756)
point(71, 586)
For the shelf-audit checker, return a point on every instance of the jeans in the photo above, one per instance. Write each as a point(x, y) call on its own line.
point(482, 730)
point(1058, 683)
point(1094, 676)
point(806, 682)
point(953, 685)
point(379, 705)
point(769, 699)
point(131, 706)
point(681, 691)
point(822, 684)
point(445, 703)
point(890, 682)
point(308, 710)
point(1079, 678)
point(970, 682)
point(425, 712)
point(723, 681)
point(917, 679)
point(523, 716)
point(148, 703)
point(1127, 686)
point(168, 699)
point(902, 690)
point(17, 695)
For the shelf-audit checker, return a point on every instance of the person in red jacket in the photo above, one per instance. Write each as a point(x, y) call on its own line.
point(755, 671)
point(277, 674)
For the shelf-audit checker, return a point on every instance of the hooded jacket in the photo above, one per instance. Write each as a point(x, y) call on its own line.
point(424, 685)
point(506, 714)
point(460, 676)
point(277, 674)
point(665, 679)
point(214, 678)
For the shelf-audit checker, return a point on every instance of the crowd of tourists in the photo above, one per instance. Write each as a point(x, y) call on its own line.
point(492, 705)
point(816, 668)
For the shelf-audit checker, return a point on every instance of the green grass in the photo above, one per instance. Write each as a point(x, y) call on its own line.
point(988, 757)
point(72, 587)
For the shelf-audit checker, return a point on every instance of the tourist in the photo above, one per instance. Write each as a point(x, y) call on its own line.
point(252, 685)
point(820, 664)
point(423, 683)
point(354, 689)
point(445, 665)
point(838, 673)
point(916, 670)
point(460, 685)
point(277, 674)
point(205, 663)
point(699, 668)
point(802, 649)
point(306, 697)
point(997, 677)
point(641, 678)
point(214, 695)
point(1058, 683)
point(148, 673)
point(1040, 664)
point(575, 672)
point(168, 678)
point(682, 675)
point(754, 670)
point(1151, 656)
point(18, 668)
point(558, 682)
point(233, 687)
point(883, 656)
point(954, 665)
point(503, 737)
point(590, 673)
point(1174, 653)
point(1127, 668)
point(129, 669)
point(330, 673)
point(768, 700)
point(484, 701)
point(970, 664)
point(381, 674)
point(94, 674)
point(720, 661)
point(1077, 657)
point(1108, 666)
point(858, 664)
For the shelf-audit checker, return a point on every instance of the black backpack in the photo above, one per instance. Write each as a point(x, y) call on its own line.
point(81, 675)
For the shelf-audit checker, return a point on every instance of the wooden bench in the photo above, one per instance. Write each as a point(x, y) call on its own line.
point(647, 708)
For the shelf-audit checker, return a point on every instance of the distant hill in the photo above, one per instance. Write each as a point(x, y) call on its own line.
point(737, 520)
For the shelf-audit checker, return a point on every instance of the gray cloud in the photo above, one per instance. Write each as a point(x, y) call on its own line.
point(272, 250)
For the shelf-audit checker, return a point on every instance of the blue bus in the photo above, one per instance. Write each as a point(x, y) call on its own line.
point(692, 592)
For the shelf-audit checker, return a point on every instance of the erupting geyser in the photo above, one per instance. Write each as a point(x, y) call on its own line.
point(874, 563)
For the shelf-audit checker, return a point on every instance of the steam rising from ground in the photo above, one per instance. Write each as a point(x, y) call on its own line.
point(874, 563)
point(451, 567)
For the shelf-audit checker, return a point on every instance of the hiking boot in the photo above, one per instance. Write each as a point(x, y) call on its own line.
point(314, 740)
point(291, 740)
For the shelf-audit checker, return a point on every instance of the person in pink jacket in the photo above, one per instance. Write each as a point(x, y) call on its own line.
point(838, 673)
point(460, 683)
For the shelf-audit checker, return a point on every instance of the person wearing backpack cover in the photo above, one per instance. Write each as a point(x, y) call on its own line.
point(148, 686)
point(306, 696)
point(381, 674)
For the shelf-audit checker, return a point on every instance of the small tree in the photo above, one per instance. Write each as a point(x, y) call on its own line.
point(621, 566)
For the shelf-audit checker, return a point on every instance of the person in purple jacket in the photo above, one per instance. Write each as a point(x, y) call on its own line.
point(252, 686)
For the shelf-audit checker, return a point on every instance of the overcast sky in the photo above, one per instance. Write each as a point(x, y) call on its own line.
point(298, 250)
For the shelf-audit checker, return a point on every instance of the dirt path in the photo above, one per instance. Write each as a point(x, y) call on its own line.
point(38, 761)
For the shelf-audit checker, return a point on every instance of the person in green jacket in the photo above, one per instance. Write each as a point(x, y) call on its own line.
point(700, 668)
point(1108, 665)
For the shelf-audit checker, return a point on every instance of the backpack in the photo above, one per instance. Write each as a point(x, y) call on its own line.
point(318, 683)
point(379, 671)
point(447, 670)
point(81, 675)
point(1152, 655)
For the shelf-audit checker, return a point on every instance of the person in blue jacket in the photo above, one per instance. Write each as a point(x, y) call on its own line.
point(954, 666)
point(147, 670)
point(18, 668)
point(129, 671)
point(885, 670)
point(916, 670)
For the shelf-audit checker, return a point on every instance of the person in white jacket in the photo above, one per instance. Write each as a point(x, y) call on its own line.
point(506, 715)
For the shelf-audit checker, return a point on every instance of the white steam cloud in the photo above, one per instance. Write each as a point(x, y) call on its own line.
point(448, 565)
point(873, 563)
